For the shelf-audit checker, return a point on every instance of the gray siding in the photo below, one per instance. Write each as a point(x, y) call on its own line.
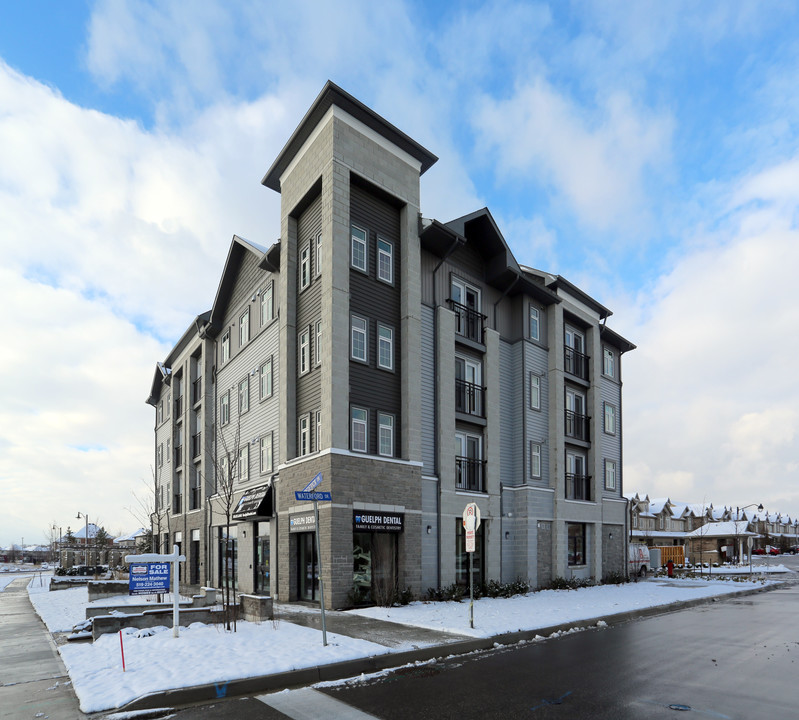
point(373, 388)
point(537, 421)
point(512, 403)
point(428, 380)
point(610, 445)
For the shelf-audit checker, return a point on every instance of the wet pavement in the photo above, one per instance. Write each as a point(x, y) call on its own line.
point(33, 680)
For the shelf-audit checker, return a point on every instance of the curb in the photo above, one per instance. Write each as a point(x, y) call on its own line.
point(349, 668)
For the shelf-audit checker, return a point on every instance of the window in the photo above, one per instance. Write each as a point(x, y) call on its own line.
point(303, 437)
point(244, 328)
point(267, 304)
point(466, 305)
point(385, 424)
point(266, 379)
point(226, 347)
point(168, 450)
point(608, 362)
point(359, 248)
point(610, 419)
point(358, 429)
point(159, 454)
point(610, 474)
point(224, 409)
point(305, 267)
point(385, 260)
point(318, 254)
point(577, 482)
point(159, 412)
point(576, 543)
point(535, 391)
point(535, 323)
point(266, 453)
point(244, 463)
point(303, 358)
point(575, 361)
point(469, 462)
point(469, 392)
point(244, 394)
point(535, 460)
point(385, 347)
point(318, 343)
point(576, 420)
point(359, 337)
point(318, 430)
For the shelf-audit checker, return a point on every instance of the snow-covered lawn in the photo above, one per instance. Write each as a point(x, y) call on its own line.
point(155, 661)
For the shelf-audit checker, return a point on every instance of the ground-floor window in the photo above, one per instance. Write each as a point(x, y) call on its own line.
point(228, 557)
point(576, 543)
point(261, 552)
point(462, 557)
point(374, 567)
point(307, 567)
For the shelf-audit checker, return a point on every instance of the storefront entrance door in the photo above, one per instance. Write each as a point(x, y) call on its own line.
point(307, 567)
point(374, 567)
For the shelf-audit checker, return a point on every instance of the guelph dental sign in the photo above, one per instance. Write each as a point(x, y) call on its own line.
point(373, 521)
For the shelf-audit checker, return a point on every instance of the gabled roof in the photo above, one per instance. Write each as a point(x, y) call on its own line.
point(331, 95)
point(558, 282)
point(727, 529)
point(268, 259)
point(127, 538)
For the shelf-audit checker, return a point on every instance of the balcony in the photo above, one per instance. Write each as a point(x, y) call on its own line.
point(197, 391)
point(469, 398)
point(178, 452)
point(577, 426)
point(178, 408)
point(177, 504)
point(196, 445)
point(470, 474)
point(578, 487)
point(468, 322)
point(575, 363)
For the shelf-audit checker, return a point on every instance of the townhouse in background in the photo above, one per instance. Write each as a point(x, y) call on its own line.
point(415, 365)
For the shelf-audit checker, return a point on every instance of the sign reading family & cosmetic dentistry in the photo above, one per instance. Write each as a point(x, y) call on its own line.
point(149, 578)
point(375, 521)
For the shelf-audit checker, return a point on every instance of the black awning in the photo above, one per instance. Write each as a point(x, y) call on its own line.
point(255, 503)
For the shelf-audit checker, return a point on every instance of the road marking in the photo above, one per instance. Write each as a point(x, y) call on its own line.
point(310, 704)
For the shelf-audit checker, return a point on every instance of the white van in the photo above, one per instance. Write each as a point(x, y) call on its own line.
point(639, 562)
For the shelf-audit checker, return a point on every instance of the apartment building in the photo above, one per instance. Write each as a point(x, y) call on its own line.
point(415, 367)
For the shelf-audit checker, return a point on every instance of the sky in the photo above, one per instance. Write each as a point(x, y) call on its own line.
point(648, 152)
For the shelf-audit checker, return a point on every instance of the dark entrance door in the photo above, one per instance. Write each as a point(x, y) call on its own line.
point(307, 567)
point(374, 567)
point(262, 559)
point(194, 562)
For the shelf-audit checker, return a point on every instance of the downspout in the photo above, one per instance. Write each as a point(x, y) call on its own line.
point(449, 252)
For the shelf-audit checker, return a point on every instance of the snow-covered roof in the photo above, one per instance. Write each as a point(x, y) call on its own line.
point(726, 529)
point(658, 533)
point(127, 538)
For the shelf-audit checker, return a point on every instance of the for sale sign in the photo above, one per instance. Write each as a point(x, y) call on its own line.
point(149, 578)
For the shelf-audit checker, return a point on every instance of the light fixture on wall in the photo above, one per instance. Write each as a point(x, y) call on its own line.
point(429, 529)
point(610, 536)
point(253, 298)
point(507, 535)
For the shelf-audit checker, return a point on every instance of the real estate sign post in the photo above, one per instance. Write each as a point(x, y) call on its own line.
point(155, 565)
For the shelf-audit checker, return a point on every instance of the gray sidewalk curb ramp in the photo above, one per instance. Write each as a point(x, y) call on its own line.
point(375, 663)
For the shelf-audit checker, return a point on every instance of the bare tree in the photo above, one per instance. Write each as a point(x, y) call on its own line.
point(225, 459)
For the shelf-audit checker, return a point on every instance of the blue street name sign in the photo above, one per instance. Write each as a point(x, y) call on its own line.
point(302, 495)
point(149, 578)
point(317, 480)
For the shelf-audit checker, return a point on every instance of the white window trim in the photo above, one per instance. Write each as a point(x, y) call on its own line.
point(224, 409)
point(226, 347)
point(244, 328)
point(318, 258)
point(364, 243)
point(318, 343)
point(609, 412)
point(362, 423)
point(608, 363)
point(304, 351)
point(304, 433)
point(365, 332)
point(266, 365)
point(268, 303)
point(318, 430)
point(245, 406)
point(380, 341)
point(535, 452)
point(244, 463)
point(382, 425)
point(537, 312)
point(611, 465)
point(305, 267)
point(266, 445)
point(390, 255)
point(535, 398)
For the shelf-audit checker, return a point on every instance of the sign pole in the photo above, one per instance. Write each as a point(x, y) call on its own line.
point(319, 570)
point(471, 591)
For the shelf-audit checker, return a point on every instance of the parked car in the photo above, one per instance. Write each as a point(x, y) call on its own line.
point(759, 551)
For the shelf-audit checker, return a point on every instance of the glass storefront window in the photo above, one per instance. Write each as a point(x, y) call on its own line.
point(307, 567)
point(262, 559)
point(374, 567)
point(228, 557)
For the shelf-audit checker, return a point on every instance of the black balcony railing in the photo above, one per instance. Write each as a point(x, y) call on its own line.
point(177, 504)
point(470, 474)
point(196, 445)
point(575, 362)
point(178, 408)
point(194, 498)
point(577, 425)
point(578, 487)
point(469, 398)
point(197, 391)
point(468, 322)
point(178, 451)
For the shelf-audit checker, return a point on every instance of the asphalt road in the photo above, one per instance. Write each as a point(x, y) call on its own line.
point(736, 658)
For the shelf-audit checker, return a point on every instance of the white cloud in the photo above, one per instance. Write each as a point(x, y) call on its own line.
point(597, 167)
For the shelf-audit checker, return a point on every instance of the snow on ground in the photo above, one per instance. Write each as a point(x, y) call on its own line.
point(208, 654)
point(551, 607)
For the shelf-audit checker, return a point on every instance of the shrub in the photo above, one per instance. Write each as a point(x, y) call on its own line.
point(614, 578)
point(569, 584)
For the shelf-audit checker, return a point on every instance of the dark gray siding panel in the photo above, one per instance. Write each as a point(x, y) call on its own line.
point(537, 421)
point(428, 390)
point(309, 310)
point(373, 388)
point(512, 431)
point(610, 445)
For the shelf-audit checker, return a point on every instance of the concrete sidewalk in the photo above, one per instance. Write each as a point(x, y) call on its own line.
point(33, 680)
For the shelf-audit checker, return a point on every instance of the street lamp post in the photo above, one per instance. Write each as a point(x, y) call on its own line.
point(738, 517)
point(86, 538)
